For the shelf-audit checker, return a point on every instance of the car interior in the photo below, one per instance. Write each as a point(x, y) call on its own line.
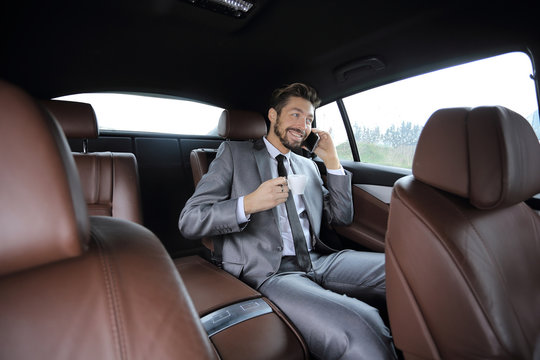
point(92, 263)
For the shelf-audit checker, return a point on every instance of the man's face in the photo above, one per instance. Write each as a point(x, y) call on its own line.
point(293, 124)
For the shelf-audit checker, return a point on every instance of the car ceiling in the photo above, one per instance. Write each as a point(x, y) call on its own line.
point(175, 48)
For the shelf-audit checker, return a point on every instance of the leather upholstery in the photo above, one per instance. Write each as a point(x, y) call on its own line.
point(110, 184)
point(38, 188)
point(233, 125)
point(105, 288)
point(371, 205)
point(109, 180)
point(241, 125)
point(78, 120)
point(486, 154)
point(264, 337)
point(200, 159)
point(201, 276)
point(270, 336)
point(462, 259)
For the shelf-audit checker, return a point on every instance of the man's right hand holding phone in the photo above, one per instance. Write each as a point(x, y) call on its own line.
point(326, 150)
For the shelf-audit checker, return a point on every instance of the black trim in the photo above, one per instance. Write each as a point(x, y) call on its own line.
point(348, 128)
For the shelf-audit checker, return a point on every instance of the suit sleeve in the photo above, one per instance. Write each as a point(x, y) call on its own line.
point(210, 211)
point(338, 202)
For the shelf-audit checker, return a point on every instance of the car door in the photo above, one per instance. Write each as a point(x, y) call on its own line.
point(376, 131)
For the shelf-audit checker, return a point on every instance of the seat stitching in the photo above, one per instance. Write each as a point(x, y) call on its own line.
point(113, 182)
point(115, 310)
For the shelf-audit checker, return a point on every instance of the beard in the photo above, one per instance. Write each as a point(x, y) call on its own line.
point(282, 135)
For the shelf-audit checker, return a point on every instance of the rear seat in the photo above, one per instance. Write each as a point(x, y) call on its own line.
point(233, 125)
point(218, 296)
point(241, 324)
point(109, 180)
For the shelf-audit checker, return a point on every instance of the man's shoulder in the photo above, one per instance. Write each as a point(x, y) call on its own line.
point(239, 146)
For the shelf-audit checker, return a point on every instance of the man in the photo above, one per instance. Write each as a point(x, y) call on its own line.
point(273, 243)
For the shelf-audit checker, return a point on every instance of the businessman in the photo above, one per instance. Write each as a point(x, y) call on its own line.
point(270, 238)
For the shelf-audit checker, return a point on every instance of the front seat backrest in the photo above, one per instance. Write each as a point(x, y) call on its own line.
point(110, 180)
point(73, 287)
point(463, 249)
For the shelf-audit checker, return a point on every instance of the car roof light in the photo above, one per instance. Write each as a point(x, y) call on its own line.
point(236, 8)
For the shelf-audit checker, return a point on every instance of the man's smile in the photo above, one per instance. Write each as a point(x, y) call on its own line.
point(296, 133)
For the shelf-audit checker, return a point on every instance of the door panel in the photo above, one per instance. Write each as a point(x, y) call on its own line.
point(364, 173)
point(372, 189)
point(371, 204)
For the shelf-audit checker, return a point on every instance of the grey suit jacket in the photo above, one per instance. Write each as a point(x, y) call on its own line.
point(252, 251)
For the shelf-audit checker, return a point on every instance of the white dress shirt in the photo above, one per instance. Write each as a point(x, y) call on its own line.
point(284, 226)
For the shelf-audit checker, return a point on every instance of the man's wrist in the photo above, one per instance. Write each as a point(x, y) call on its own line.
point(338, 172)
point(241, 216)
point(332, 164)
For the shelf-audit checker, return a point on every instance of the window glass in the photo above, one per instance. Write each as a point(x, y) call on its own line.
point(387, 120)
point(328, 118)
point(126, 112)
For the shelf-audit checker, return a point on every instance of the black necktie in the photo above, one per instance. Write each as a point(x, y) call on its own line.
point(300, 246)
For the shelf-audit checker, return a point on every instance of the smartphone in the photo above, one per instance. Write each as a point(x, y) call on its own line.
point(311, 141)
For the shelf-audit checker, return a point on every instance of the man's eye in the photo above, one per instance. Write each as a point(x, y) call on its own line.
point(295, 115)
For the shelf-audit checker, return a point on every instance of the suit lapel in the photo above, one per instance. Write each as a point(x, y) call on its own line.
point(263, 160)
point(264, 165)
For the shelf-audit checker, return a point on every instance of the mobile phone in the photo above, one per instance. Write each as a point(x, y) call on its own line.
point(311, 141)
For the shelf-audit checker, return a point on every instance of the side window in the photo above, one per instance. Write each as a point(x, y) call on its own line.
point(126, 112)
point(387, 120)
point(328, 118)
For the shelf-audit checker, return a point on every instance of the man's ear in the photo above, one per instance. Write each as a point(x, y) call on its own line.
point(272, 115)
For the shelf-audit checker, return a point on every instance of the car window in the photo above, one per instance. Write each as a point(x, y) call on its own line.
point(127, 112)
point(387, 121)
point(328, 118)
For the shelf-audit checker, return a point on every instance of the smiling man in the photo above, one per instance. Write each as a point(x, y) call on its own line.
point(270, 238)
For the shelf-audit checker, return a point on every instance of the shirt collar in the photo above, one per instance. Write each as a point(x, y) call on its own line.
point(273, 151)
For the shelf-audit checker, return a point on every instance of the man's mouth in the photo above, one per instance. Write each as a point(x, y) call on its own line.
point(296, 133)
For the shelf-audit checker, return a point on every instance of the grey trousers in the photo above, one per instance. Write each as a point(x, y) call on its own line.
point(328, 305)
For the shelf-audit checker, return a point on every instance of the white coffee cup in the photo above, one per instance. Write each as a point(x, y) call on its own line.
point(297, 183)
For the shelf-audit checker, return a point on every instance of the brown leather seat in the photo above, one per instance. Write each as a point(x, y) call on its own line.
point(233, 125)
point(270, 336)
point(74, 287)
point(463, 249)
point(110, 180)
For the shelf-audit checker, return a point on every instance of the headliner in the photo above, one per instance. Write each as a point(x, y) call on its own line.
point(171, 47)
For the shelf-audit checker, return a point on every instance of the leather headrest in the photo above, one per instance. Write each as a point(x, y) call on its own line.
point(43, 215)
point(241, 125)
point(78, 120)
point(489, 155)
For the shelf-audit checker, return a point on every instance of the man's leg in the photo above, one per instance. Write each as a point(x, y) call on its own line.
point(353, 273)
point(334, 326)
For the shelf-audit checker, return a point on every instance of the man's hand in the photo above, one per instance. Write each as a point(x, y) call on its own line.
point(267, 196)
point(326, 150)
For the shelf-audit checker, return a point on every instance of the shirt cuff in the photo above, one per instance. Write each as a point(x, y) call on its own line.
point(240, 214)
point(339, 171)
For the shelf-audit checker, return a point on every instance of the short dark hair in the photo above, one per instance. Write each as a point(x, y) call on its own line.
point(281, 96)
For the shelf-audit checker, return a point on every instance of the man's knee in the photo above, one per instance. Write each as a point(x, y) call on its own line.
point(354, 334)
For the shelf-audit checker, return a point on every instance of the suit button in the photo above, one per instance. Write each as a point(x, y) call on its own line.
point(279, 248)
